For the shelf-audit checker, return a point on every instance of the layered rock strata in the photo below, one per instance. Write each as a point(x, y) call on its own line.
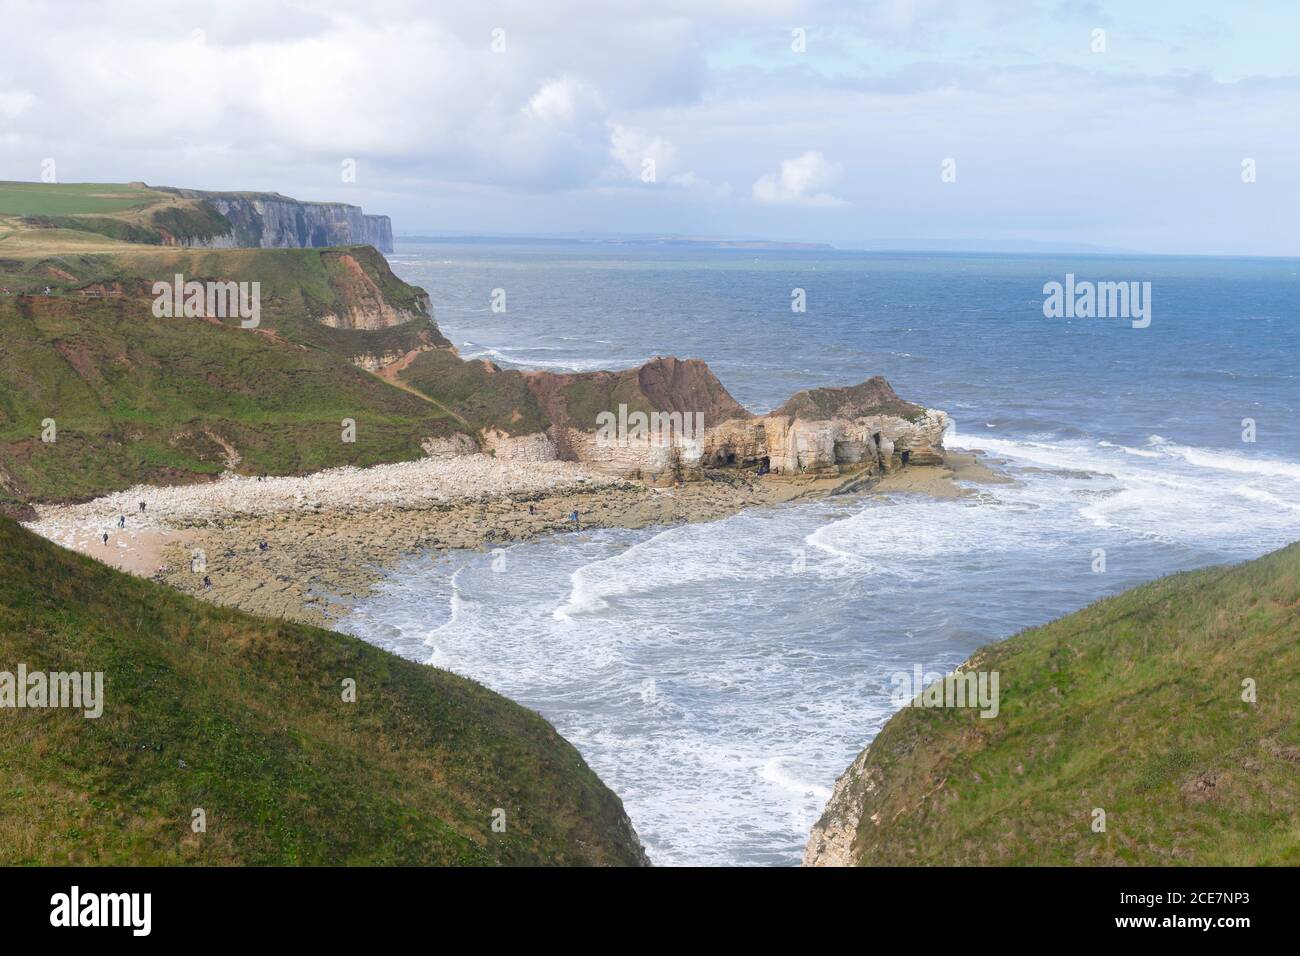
point(672, 419)
point(272, 221)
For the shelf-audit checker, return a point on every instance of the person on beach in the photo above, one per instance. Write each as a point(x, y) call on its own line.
point(105, 537)
point(574, 518)
point(121, 521)
point(262, 546)
point(142, 507)
point(207, 583)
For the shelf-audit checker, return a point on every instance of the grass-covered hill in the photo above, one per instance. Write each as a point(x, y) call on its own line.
point(136, 398)
point(244, 718)
point(520, 403)
point(1133, 706)
point(130, 212)
point(872, 397)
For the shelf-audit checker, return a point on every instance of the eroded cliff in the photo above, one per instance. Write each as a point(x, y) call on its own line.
point(672, 419)
point(272, 221)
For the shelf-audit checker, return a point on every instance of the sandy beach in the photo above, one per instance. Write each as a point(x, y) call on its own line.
point(306, 548)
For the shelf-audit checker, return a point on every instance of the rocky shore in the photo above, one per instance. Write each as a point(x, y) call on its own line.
point(307, 548)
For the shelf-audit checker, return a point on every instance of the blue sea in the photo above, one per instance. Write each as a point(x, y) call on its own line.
point(720, 676)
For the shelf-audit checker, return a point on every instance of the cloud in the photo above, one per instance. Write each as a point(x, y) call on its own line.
point(636, 152)
point(802, 181)
point(560, 101)
point(1136, 149)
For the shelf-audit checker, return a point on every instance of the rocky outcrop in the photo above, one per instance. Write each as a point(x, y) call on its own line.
point(449, 446)
point(787, 444)
point(272, 221)
point(831, 841)
point(671, 419)
point(380, 361)
point(866, 427)
point(665, 384)
point(535, 447)
point(361, 299)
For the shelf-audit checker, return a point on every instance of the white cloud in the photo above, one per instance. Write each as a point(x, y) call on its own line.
point(561, 100)
point(803, 181)
point(1053, 142)
point(632, 148)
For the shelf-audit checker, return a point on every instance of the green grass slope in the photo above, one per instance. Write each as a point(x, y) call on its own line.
point(137, 398)
point(518, 403)
point(1132, 706)
point(482, 394)
point(127, 212)
point(243, 717)
point(74, 199)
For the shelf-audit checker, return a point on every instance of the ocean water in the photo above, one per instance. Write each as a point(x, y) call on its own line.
point(720, 676)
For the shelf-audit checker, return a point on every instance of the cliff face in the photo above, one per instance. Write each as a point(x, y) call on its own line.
point(272, 221)
point(360, 296)
point(378, 232)
point(672, 418)
point(693, 424)
point(875, 444)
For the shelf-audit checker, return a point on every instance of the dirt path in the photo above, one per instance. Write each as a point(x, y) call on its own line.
point(390, 372)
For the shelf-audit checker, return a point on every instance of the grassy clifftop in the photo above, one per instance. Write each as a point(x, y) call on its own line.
point(136, 398)
point(1133, 706)
point(244, 718)
point(518, 403)
point(129, 212)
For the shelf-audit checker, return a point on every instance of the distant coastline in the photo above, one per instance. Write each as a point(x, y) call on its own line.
point(638, 241)
point(990, 246)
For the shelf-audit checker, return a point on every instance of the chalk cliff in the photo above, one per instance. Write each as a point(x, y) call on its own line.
point(272, 221)
point(695, 424)
point(672, 419)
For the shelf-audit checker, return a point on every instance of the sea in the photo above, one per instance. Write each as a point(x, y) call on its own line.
point(720, 676)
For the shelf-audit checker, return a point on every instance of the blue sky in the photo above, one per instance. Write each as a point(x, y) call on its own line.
point(1043, 138)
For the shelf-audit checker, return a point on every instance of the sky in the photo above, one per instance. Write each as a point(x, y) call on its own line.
point(1147, 125)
